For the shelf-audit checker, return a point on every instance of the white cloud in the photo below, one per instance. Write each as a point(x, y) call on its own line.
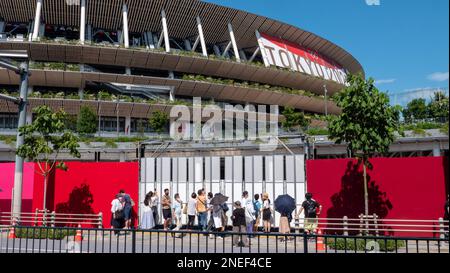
point(385, 81)
point(438, 76)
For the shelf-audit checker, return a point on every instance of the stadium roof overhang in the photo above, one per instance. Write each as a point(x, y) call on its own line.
point(144, 15)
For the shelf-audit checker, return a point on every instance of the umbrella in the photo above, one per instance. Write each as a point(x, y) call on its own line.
point(285, 204)
point(218, 199)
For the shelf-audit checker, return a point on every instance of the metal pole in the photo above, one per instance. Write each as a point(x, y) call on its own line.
point(326, 106)
point(18, 172)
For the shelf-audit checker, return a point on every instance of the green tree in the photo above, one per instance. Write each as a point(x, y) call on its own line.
point(44, 139)
point(415, 109)
point(87, 121)
point(294, 119)
point(367, 122)
point(438, 107)
point(158, 121)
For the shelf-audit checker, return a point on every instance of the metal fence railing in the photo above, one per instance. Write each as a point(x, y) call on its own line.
point(372, 224)
point(47, 218)
point(94, 240)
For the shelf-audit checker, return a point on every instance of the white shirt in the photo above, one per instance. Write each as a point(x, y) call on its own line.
point(154, 200)
point(116, 205)
point(266, 204)
point(191, 210)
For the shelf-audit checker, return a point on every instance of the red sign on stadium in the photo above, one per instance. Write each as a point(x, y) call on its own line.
point(290, 55)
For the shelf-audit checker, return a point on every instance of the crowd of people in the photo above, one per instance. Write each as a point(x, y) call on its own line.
point(210, 210)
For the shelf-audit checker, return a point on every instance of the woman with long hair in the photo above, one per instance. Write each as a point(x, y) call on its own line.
point(147, 220)
point(266, 212)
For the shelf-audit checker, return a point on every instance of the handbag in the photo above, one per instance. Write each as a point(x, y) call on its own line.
point(185, 209)
point(118, 214)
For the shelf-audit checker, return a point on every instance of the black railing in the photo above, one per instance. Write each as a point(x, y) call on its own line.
point(94, 240)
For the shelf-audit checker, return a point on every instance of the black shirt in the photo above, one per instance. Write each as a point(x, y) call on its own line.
point(310, 207)
point(238, 217)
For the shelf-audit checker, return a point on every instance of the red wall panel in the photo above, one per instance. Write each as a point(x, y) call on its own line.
point(88, 188)
point(399, 188)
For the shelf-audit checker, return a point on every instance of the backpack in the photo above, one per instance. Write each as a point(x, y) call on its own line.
point(311, 207)
point(225, 207)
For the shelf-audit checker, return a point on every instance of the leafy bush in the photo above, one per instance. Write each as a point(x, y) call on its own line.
point(43, 233)
point(87, 121)
point(317, 131)
point(360, 244)
point(158, 121)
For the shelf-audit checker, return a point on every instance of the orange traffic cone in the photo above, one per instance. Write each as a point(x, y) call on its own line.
point(320, 243)
point(79, 235)
point(12, 234)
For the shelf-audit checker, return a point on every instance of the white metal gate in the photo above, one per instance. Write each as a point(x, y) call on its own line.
point(230, 175)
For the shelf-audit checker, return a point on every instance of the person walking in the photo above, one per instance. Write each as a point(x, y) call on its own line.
point(147, 220)
point(310, 207)
point(202, 210)
point(191, 210)
point(239, 225)
point(177, 213)
point(266, 212)
point(257, 208)
point(166, 204)
point(247, 204)
point(210, 220)
point(117, 219)
point(154, 202)
point(128, 204)
point(284, 226)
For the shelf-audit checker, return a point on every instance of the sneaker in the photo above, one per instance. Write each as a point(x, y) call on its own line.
point(211, 236)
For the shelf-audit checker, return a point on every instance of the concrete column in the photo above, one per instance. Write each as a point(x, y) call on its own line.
point(187, 45)
point(128, 125)
point(41, 30)
point(150, 40)
point(202, 37)
point(233, 42)
point(29, 118)
point(242, 55)
point(82, 21)
point(165, 30)
point(30, 31)
point(217, 51)
point(37, 20)
point(436, 150)
point(89, 33)
point(126, 38)
point(81, 93)
point(2, 26)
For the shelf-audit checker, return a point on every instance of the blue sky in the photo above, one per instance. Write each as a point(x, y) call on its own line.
point(403, 44)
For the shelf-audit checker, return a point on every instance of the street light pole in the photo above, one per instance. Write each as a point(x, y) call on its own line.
point(18, 172)
point(22, 70)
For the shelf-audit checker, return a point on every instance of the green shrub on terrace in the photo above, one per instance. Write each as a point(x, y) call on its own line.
point(87, 121)
point(317, 131)
point(444, 129)
point(43, 233)
point(352, 244)
point(8, 139)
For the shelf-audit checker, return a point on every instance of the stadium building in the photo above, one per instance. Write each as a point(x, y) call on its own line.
point(126, 59)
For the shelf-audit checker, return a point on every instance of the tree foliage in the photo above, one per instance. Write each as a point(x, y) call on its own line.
point(367, 122)
point(438, 107)
point(158, 121)
point(45, 138)
point(294, 119)
point(87, 121)
point(415, 109)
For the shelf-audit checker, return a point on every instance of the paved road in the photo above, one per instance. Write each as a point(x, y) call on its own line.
point(150, 242)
